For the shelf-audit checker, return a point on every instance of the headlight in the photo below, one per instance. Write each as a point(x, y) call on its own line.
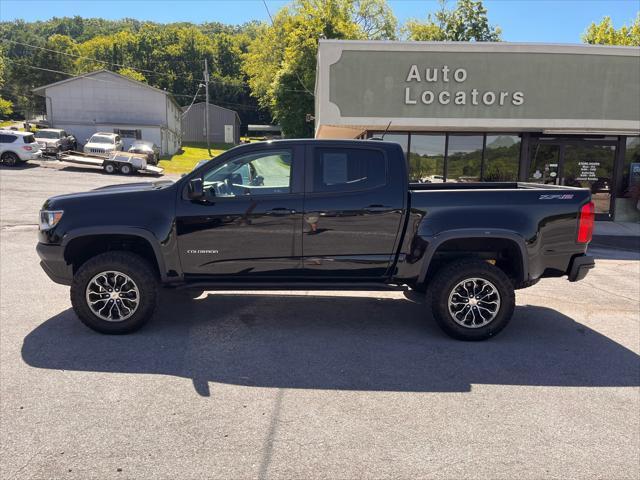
point(49, 218)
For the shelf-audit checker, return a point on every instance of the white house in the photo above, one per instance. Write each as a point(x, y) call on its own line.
point(104, 101)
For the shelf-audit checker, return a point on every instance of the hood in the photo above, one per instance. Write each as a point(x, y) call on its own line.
point(135, 187)
point(109, 190)
point(102, 146)
point(47, 141)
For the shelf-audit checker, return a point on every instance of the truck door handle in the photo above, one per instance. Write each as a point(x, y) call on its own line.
point(377, 208)
point(281, 211)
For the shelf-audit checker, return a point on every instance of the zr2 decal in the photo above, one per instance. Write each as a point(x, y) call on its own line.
point(563, 196)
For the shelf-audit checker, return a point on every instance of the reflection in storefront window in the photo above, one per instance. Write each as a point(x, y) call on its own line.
point(426, 158)
point(464, 157)
point(400, 138)
point(628, 192)
point(501, 158)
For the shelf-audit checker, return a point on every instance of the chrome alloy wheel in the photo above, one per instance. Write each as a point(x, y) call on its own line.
point(112, 296)
point(474, 302)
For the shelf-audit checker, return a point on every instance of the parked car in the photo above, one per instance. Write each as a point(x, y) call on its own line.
point(305, 214)
point(149, 149)
point(54, 140)
point(17, 147)
point(102, 143)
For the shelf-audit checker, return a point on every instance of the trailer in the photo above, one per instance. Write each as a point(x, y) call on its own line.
point(116, 162)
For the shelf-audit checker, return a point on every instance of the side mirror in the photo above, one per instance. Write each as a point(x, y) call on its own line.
point(196, 189)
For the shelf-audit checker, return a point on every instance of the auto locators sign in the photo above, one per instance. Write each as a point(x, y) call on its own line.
point(423, 82)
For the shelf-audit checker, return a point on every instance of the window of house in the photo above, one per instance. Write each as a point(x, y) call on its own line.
point(350, 169)
point(135, 134)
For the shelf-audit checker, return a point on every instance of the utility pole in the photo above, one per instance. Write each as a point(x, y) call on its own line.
point(206, 105)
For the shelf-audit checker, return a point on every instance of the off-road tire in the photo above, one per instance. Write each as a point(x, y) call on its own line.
point(130, 264)
point(450, 275)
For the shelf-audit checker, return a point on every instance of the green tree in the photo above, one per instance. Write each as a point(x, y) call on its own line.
point(58, 54)
point(467, 22)
point(604, 33)
point(376, 20)
point(169, 56)
point(6, 108)
point(133, 74)
point(280, 62)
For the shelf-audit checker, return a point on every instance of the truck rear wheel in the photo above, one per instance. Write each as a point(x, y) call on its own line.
point(114, 292)
point(472, 299)
point(126, 169)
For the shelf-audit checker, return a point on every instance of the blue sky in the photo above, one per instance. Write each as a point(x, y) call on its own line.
point(556, 21)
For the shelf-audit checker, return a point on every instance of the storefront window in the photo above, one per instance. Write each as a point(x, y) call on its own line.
point(628, 192)
point(501, 158)
point(400, 138)
point(426, 158)
point(464, 157)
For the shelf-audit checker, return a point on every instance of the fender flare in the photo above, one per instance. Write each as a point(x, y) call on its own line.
point(119, 230)
point(435, 241)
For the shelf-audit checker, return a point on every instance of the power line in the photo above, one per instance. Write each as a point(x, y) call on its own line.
point(5, 89)
point(294, 71)
point(86, 76)
point(192, 101)
point(236, 84)
point(90, 58)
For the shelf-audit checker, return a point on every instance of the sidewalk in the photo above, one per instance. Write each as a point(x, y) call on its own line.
point(618, 235)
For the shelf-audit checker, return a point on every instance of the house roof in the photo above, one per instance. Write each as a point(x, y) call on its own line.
point(41, 90)
point(185, 108)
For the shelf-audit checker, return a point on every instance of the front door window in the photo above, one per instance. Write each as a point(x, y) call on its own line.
point(591, 166)
point(586, 164)
point(545, 163)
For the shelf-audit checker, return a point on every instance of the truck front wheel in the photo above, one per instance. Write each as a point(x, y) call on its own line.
point(472, 299)
point(114, 292)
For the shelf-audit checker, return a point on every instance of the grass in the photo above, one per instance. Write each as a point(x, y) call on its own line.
point(186, 158)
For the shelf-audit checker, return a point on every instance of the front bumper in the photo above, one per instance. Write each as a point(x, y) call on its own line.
point(53, 263)
point(580, 266)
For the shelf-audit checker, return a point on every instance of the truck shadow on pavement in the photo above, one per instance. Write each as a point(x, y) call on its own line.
point(343, 343)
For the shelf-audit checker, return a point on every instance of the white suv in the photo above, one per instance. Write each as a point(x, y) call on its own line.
point(103, 143)
point(18, 147)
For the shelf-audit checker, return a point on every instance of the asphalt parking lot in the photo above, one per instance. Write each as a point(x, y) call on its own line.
point(311, 384)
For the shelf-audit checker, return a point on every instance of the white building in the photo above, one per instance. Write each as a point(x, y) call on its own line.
point(105, 101)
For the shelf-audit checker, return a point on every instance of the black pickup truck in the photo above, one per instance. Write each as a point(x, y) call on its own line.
point(314, 214)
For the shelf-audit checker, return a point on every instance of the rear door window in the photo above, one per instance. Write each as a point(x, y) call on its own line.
point(348, 169)
point(7, 138)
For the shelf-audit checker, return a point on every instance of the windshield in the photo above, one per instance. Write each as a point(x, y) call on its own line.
point(45, 134)
point(101, 139)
